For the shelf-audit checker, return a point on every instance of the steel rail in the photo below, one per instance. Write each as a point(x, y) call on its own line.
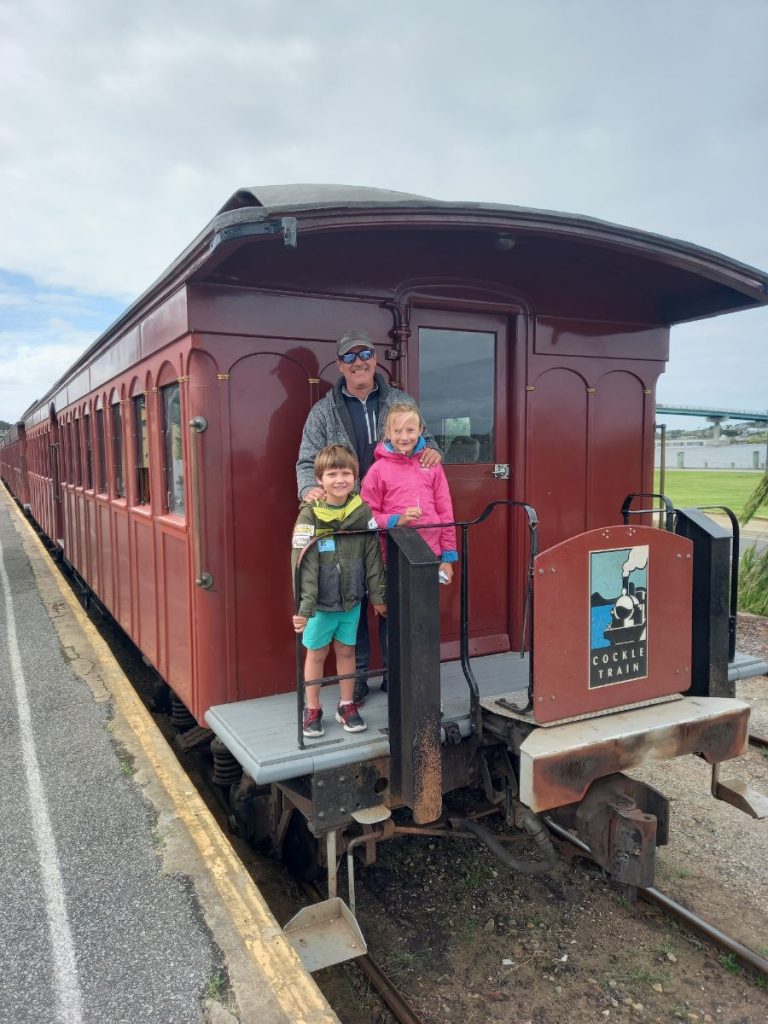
point(395, 1001)
point(745, 956)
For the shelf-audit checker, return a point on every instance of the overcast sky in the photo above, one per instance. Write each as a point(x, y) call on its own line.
point(125, 126)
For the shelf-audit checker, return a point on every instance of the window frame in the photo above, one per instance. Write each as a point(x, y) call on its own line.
point(174, 503)
point(141, 443)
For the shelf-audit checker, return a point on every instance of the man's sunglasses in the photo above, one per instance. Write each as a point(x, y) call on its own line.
point(363, 355)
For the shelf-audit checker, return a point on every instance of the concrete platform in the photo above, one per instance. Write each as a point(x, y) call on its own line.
point(121, 899)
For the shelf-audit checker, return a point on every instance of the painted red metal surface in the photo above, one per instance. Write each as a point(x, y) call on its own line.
point(612, 621)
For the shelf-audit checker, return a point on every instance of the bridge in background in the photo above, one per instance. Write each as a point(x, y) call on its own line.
point(712, 413)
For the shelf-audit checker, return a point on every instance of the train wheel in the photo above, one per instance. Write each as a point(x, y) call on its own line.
point(300, 850)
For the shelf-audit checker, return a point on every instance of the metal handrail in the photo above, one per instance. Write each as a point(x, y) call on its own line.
point(469, 675)
point(626, 512)
point(671, 514)
point(197, 425)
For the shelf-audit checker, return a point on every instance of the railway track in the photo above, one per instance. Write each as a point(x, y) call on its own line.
point(390, 994)
point(747, 958)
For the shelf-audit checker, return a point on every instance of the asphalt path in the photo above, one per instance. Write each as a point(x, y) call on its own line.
point(92, 930)
point(754, 535)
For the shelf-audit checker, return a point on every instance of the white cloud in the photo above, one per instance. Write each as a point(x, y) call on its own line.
point(27, 371)
point(125, 127)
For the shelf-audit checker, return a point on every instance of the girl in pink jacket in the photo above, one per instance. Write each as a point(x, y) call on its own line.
point(401, 492)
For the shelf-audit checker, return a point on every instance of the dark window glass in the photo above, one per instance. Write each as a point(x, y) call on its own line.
point(456, 392)
point(88, 452)
point(101, 466)
point(54, 470)
point(174, 463)
point(67, 433)
point(141, 446)
point(78, 456)
point(117, 450)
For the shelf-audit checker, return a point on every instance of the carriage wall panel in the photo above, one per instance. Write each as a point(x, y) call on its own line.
point(178, 626)
point(620, 457)
point(145, 617)
point(122, 591)
point(557, 454)
point(213, 608)
point(265, 431)
point(68, 501)
point(104, 538)
point(92, 544)
point(79, 548)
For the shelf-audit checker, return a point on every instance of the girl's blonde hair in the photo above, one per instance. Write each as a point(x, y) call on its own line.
point(402, 409)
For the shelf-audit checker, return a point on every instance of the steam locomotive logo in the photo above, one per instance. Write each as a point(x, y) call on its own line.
point(618, 581)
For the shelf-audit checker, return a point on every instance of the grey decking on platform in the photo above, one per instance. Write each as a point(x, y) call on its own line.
point(261, 733)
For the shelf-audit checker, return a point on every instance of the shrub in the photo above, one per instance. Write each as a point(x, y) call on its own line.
point(753, 582)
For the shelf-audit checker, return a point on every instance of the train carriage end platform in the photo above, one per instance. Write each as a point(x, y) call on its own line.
point(122, 901)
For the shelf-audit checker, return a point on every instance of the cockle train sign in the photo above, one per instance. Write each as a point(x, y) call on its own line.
point(618, 615)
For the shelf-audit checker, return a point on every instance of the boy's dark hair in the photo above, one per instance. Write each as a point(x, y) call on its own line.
point(335, 456)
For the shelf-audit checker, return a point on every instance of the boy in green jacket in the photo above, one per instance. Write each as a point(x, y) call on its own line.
point(335, 573)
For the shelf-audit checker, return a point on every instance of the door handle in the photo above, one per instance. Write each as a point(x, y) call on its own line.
point(501, 471)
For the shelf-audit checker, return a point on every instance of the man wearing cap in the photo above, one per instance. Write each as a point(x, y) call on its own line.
point(353, 413)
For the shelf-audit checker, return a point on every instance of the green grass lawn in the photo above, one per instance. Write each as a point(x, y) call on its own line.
point(686, 487)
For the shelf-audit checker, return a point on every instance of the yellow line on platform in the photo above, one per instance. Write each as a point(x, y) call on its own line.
point(271, 953)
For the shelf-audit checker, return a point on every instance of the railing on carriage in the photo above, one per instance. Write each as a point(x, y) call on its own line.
point(393, 551)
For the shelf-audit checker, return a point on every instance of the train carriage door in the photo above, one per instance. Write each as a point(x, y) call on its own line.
point(458, 367)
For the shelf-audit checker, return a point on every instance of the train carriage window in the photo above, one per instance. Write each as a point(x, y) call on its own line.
point(101, 459)
point(141, 447)
point(117, 449)
point(88, 452)
point(78, 457)
point(70, 454)
point(53, 456)
point(456, 391)
point(174, 463)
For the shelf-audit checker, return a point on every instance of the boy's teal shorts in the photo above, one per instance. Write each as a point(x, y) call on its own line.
point(326, 626)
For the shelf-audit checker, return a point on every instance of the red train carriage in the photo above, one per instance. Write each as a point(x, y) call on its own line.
point(13, 462)
point(163, 462)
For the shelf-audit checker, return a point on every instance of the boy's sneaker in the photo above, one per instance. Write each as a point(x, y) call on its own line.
point(312, 724)
point(348, 716)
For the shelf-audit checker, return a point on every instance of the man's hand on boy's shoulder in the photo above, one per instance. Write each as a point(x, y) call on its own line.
point(299, 622)
point(380, 609)
point(315, 494)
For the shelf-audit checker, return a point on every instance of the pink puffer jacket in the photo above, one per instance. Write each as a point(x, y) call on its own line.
point(396, 482)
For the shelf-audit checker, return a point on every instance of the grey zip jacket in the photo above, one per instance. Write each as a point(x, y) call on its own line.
point(329, 422)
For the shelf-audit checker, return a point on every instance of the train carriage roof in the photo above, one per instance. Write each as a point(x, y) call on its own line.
point(315, 202)
point(678, 281)
point(688, 282)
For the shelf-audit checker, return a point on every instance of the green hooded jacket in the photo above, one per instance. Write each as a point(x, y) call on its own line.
point(337, 571)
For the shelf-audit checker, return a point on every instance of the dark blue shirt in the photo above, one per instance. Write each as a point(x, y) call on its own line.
point(364, 414)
